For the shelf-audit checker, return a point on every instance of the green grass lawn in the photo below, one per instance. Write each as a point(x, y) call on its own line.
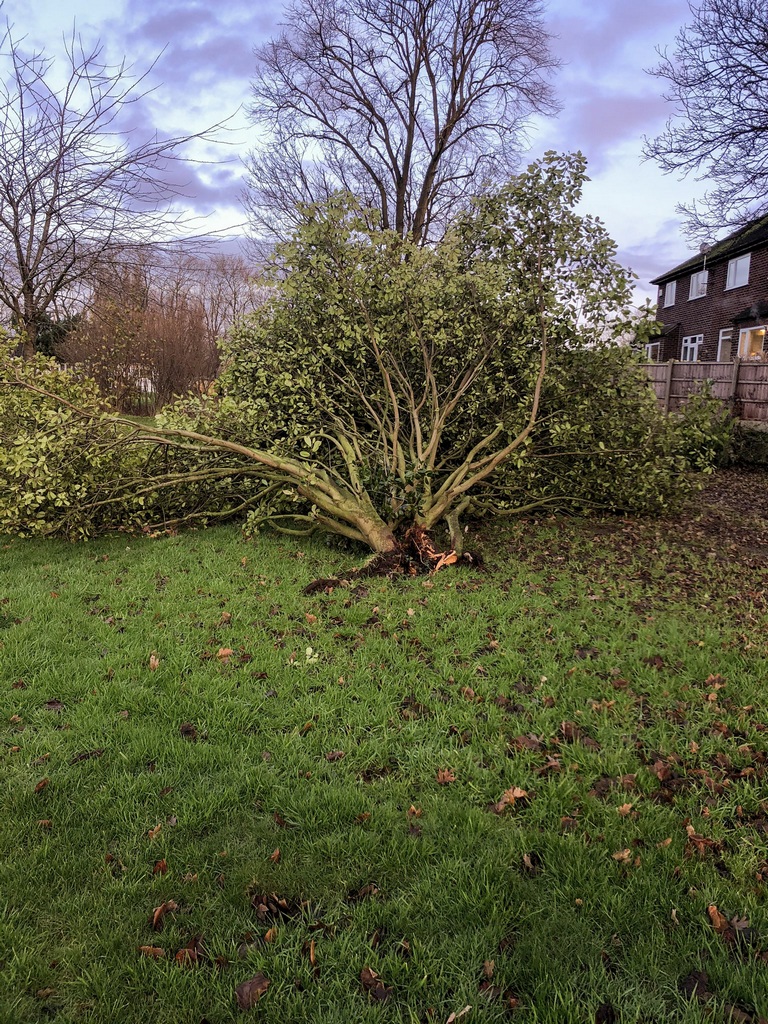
point(537, 790)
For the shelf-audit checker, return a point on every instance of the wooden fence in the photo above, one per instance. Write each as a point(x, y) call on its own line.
point(742, 386)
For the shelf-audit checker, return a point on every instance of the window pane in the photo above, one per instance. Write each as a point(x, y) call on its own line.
point(669, 293)
point(689, 351)
point(698, 284)
point(752, 343)
point(738, 272)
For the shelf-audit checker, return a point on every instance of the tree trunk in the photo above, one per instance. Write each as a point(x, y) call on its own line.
point(28, 345)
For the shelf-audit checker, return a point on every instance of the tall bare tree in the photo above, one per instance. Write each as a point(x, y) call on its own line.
point(77, 181)
point(717, 78)
point(408, 104)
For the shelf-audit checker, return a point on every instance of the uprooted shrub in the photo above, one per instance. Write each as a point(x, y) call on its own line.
point(387, 389)
point(69, 466)
point(57, 454)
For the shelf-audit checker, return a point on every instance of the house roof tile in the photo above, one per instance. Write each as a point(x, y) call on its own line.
point(741, 241)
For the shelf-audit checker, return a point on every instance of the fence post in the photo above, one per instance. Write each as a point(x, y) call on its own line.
point(733, 393)
point(668, 386)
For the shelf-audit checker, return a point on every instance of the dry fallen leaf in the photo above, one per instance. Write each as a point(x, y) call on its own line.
point(85, 755)
point(698, 842)
point(719, 921)
point(154, 952)
point(374, 986)
point(448, 559)
point(311, 619)
point(41, 785)
point(624, 809)
point(270, 935)
point(159, 913)
point(457, 1016)
point(532, 863)
point(275, 856)
point(249, 992)
point(160, 868)
point(414, 812)
point(192, 953)
point(224, 654)
point(445, 776)
point(622, 856)
point(155, 832)
point(154, 662)
point(187, 731)
point(509, 798)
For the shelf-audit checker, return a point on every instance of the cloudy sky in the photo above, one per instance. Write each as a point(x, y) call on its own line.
point(202, 77)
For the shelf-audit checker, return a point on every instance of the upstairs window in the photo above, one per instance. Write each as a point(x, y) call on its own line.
point(698, 285)
point(738, 272)
point(669, 293)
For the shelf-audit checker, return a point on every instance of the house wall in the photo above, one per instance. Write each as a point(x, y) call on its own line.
point(712, 312)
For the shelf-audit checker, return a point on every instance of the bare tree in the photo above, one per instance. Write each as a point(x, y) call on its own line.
point(77, 182)
point(717, 78)
point(407, 104)
point(150, 326)
point(228, 287)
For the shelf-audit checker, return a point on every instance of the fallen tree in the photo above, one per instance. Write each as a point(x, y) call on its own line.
point(386, 389)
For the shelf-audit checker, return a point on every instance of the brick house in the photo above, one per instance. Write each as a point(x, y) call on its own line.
point(714, 306)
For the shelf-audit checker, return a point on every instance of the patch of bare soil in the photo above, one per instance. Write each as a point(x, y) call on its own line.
point(416, 554)
point(730, 513)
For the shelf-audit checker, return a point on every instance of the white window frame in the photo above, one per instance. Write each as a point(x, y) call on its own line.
point(738, 272)
point(670, 292)
point(698, 285)
point(690, 348)
point(744, 341)
point(726, 335)
point(653, 351)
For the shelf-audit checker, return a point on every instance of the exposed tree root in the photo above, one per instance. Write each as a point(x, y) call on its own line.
point(415, 555)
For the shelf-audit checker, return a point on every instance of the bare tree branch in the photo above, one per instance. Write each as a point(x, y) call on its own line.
point(717, 78)
point(408, 104)
point(77, 183)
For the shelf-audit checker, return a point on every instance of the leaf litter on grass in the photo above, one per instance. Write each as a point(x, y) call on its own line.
point(678, 741)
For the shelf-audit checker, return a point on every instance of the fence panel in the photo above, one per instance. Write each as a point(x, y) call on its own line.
point(688, 378)
point(752, 392)
point(743, 386)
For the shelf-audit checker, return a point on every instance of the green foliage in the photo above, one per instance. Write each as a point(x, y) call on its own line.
point(54, 460)
point(364, 329)
point(704, 431)
point(385, 385)
point(749, 447)
point(602, 442)
point(69, 467)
